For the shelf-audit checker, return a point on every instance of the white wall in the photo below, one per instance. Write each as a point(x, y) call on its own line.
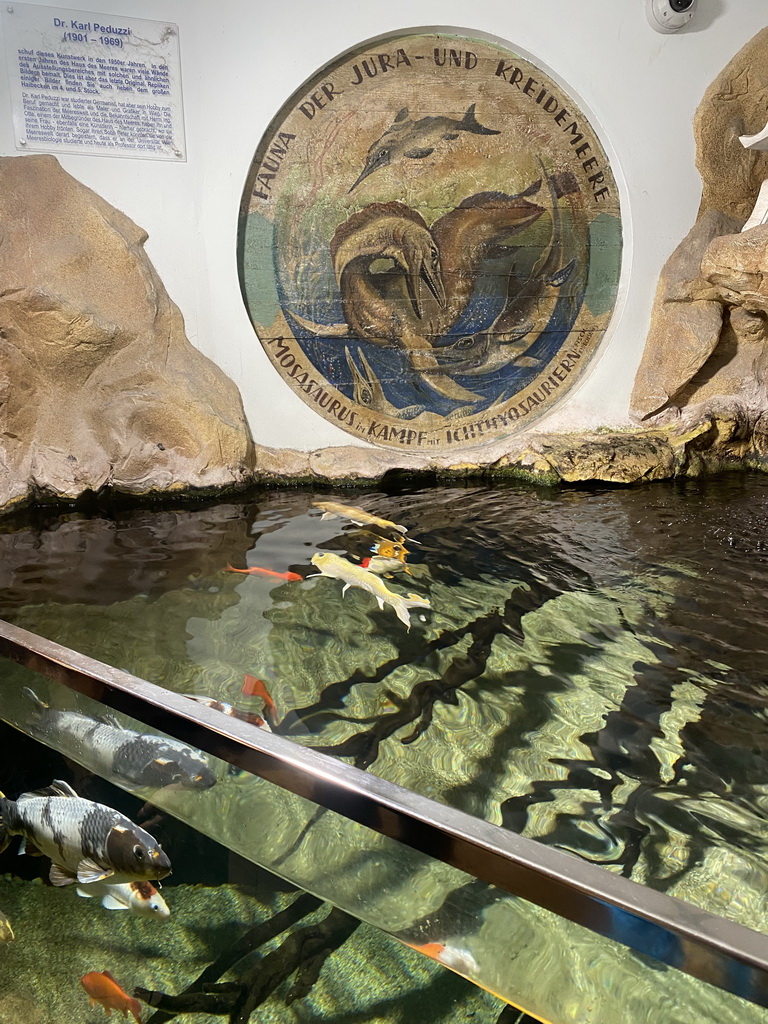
point(241, 60)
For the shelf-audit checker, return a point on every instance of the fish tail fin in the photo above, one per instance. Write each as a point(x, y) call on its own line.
point(469, 123)
point(32, 696)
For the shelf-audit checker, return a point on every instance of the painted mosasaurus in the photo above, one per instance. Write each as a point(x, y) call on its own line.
point(86, 841)
point(331, 509)
point(140, 758)
point(355, 576)
point(141, 898)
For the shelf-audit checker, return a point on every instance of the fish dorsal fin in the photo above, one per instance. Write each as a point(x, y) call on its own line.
point(111, 903)
point(57, 788)
point(418, 154)
point(562, 275)
point(89, 871)
point(108, 974)
point(60, 876)
point(111, 720)
point(400, 116)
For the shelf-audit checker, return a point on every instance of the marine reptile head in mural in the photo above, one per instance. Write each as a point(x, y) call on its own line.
point(430, 242)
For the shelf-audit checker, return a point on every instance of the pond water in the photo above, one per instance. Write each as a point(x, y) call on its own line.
point(589, 671)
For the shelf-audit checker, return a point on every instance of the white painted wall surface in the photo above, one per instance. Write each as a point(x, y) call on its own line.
point(241, 60)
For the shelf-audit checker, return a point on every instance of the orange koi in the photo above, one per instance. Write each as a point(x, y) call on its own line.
point(431, 949)
point(102, 988)
point(226, 709)
point(460, 960)
point(257, 569)
point(253, 687)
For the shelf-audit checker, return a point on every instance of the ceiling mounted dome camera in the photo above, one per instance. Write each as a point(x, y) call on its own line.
point(669, 15)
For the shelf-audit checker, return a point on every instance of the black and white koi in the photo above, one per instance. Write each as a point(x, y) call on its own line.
point(141, 898)
point(141, 759)
point(86, 841)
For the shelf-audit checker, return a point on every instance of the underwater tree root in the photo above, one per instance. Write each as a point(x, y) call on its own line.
point(303, 952)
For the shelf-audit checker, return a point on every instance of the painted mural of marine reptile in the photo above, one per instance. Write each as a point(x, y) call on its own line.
point(531, 300)
point(430, 279)
point(415, 140)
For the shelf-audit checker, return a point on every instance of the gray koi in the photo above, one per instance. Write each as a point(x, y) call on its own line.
point(141, 759)
point(86, 841)
point(418, 139)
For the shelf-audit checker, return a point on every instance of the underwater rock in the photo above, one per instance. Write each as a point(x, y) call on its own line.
point(99, 386)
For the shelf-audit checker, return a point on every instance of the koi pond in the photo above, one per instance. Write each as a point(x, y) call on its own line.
point(584, 667)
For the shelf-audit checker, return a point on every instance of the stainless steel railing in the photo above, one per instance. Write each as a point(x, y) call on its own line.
point(699, 943)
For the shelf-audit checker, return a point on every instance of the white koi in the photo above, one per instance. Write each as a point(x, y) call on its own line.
point(355, 576)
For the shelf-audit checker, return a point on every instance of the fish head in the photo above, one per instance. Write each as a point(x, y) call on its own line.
point(135, 854)
point(146, 901)
point(419, 258)
point(379, 155)
point(178, 766)
point(320, 559)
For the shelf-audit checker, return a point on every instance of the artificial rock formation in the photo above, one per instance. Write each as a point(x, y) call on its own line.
point(705, 354)
point(99, 386)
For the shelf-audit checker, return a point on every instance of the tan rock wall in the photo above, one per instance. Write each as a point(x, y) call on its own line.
point(99, 385)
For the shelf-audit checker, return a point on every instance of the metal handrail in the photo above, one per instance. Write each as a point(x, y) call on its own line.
point(704, 945)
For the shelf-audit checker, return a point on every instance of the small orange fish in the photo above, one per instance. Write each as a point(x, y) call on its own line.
point(253, 687)
point(226, 709)
point(102, 988)
point(460, 960)
point(432, 949)
point(257, 569)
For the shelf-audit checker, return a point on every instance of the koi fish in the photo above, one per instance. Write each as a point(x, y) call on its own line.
point(460, 960)
point(140, 758)
point(418, 139)
point(334, 509)
point(390, 549)
point(258, 570)
point(388, 557)
point(355, 576)
point(253, 687)
point(141, 898)
point(227, 709)
point(6, 932)
point(86, 842)
point(383, 565)
point(102, 988)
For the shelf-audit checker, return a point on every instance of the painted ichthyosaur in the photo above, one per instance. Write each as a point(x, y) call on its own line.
point(418, 139)
point(355, 576)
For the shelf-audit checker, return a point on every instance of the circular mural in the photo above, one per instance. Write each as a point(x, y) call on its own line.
point(430, 241)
